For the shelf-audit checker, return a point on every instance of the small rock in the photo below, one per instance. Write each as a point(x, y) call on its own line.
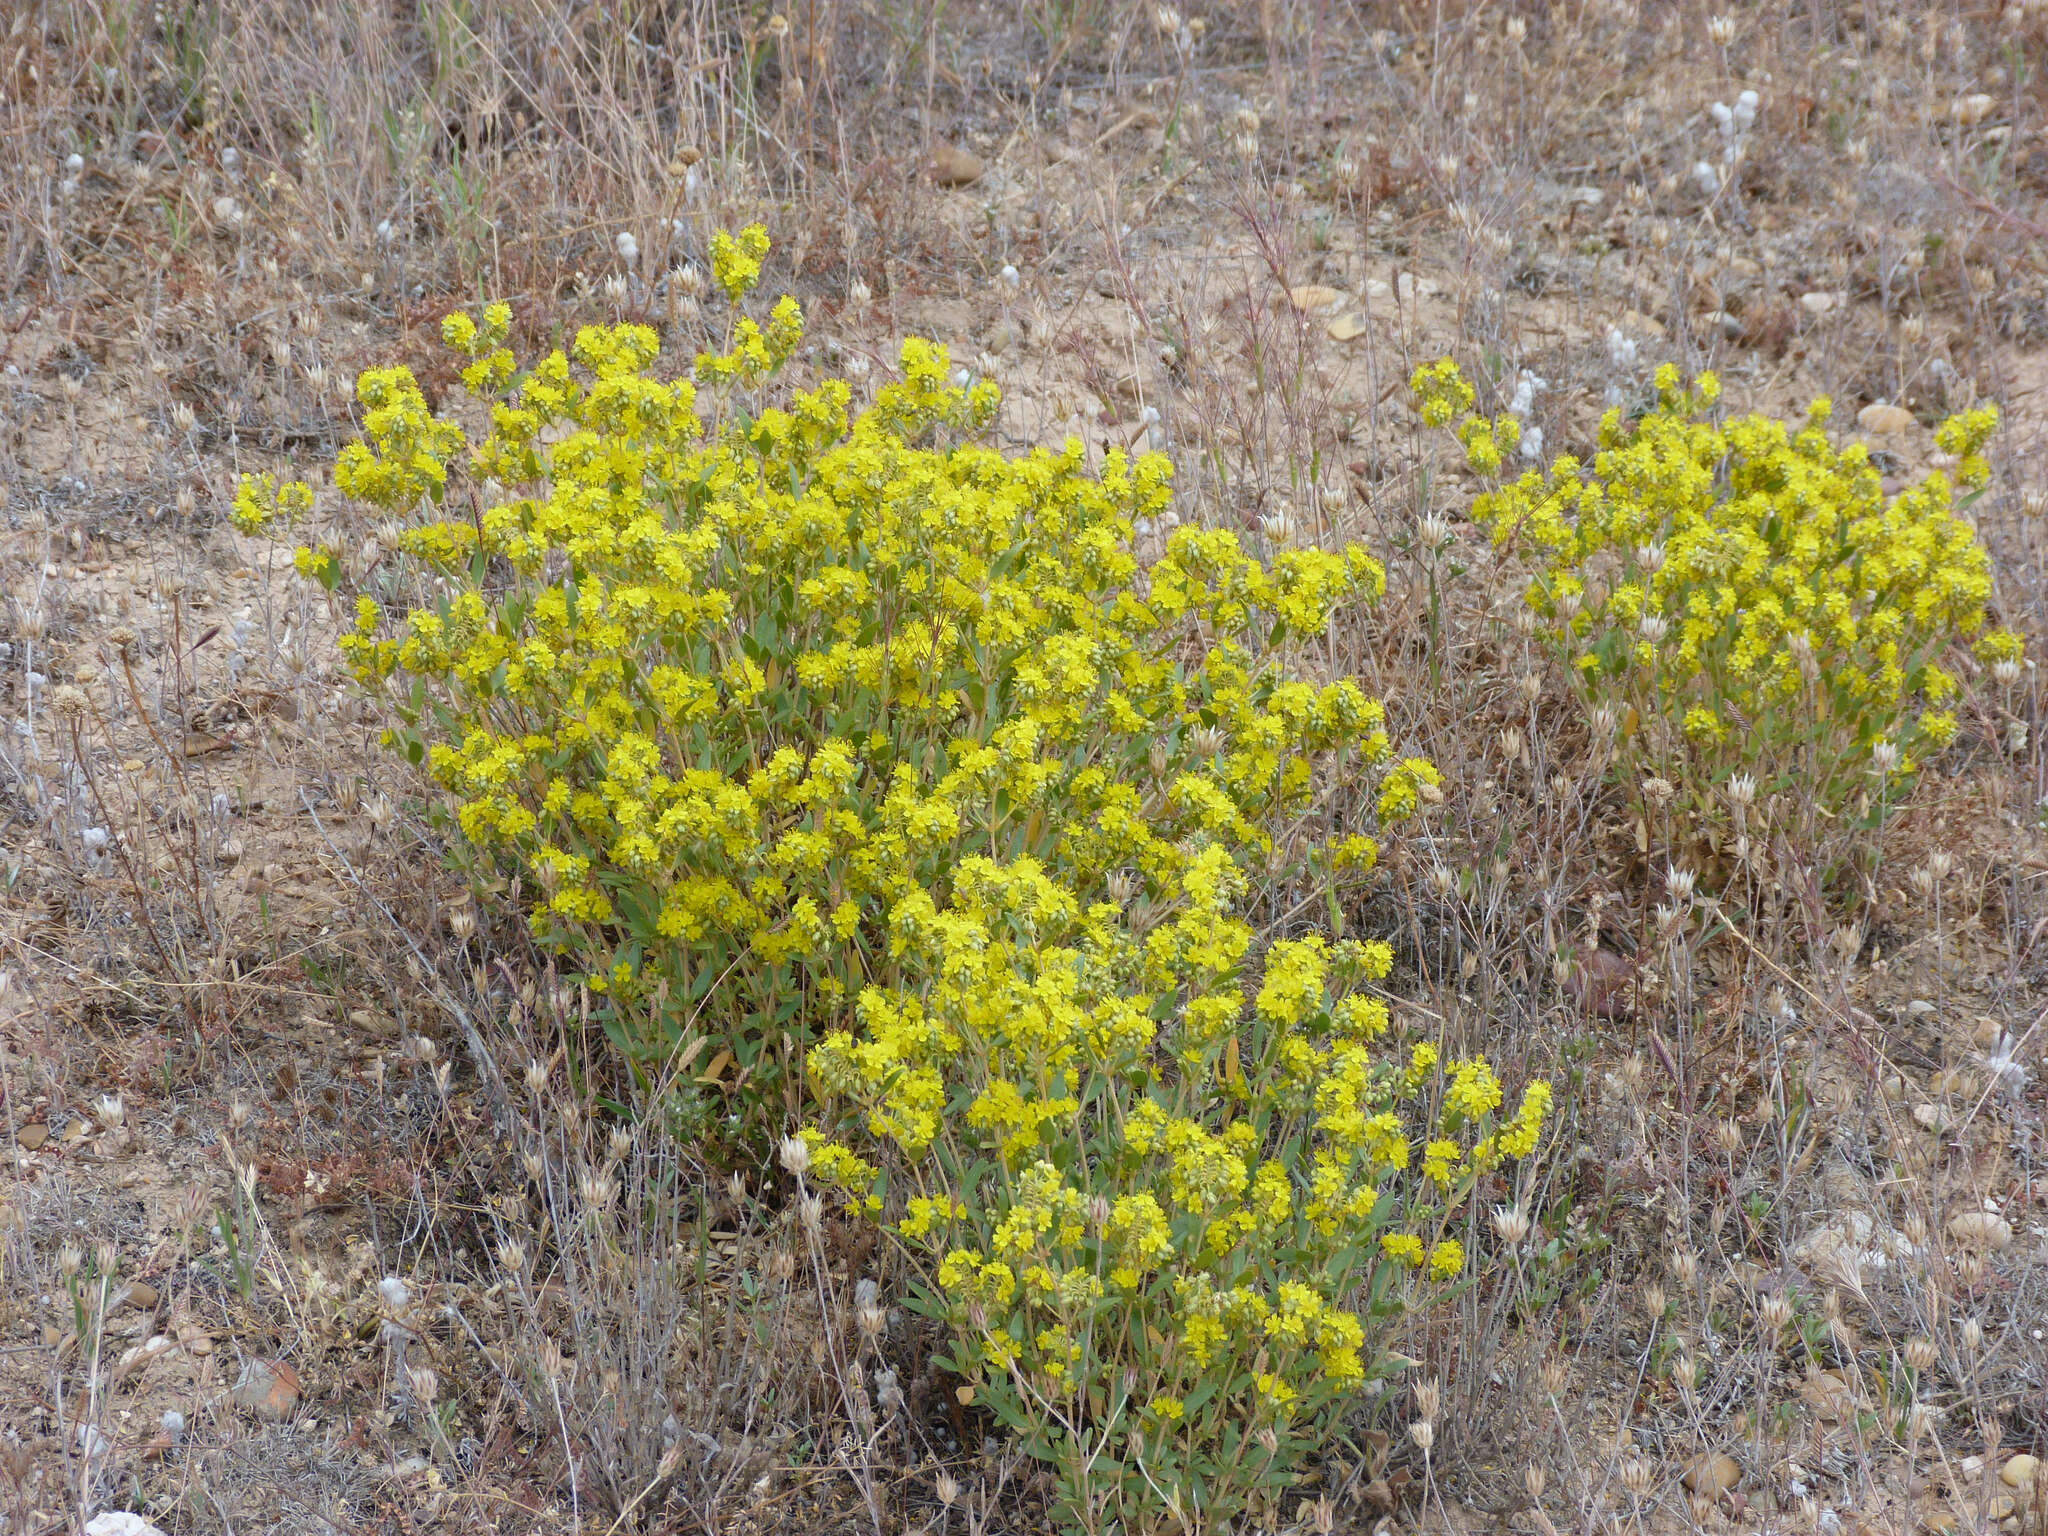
point(953, 166)
point(1828, 1395)
point(2020, 1472)
point(138, 1294)
point(120, 1522)
point(1588, 197)
point(2000, 1506)
point(135, 1359)
point(1376, 289)
point(1882, 420)
point(1348, 326)
point(1821, 301)
point(30, 1138)
point(1411, 287)
point(1314, 298)
point(1931, 1117)
point(1001, 337)
point(1938, 1522)
point(1603, 983)
point(1712, 1475)
point(1980, 1229)
point(267, 1388)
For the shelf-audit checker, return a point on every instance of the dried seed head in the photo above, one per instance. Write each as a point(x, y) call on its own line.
point(1655, 1302)
point(1635, 1476)
point(1685, 1371)
point(1728, 1135)
point(1685, 1267)
point(795, 1156)
point(596, 1189)
point(1776, 1311)
point(1423, 1433)
point(239, 1111)
point(1920, 1353)
point(108, 1111)
point(70, 1260)
point(1510, 1224)
point(1972, 1335)
point(810, 1211)
point(1553, 1377)
point(1429, 1398)
point(512, 1254)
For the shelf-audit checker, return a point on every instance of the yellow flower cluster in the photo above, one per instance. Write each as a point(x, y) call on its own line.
point(1133, 1188)
point(1751, 585)
point(260, 502)
point(752, 699)
point(878, 754)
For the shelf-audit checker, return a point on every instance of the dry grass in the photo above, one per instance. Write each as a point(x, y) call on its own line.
point(264, 1059)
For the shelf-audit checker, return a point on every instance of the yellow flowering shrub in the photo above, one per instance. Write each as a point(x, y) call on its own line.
point(723, 682)
point(1166, 1228)
point(863, 772)
point(1743, 599)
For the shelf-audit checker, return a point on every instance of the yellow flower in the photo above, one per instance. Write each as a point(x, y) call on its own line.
point(1446, 1259)
point(1404, 1247)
